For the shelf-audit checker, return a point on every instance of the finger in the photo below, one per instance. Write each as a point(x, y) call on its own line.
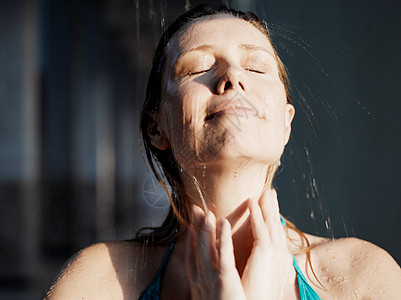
point(266, 200)
point(204, 233)
point(271, 213)
point(225, 247)
point(278, 235)
point(207, 238)
point(190, 255)
point(259, 231)
point(198, 219)
point(190, 259)
point(211, 226)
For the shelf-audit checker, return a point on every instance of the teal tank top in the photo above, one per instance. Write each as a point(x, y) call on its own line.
point(306, 292)
point(152, 292)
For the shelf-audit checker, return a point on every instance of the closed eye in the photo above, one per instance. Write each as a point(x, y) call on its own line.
point(197, 72)
point(255, 71)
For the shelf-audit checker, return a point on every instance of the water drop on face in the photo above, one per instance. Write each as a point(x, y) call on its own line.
point(236, 173)
point(356, 293)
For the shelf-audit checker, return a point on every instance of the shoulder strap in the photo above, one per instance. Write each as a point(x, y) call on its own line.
point(152, 292)
point(306, 292)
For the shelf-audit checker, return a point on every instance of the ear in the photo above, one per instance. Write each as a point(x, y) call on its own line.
point(157, 136)
point(289, 116)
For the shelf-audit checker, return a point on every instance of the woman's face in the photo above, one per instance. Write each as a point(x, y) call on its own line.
point(222, 97)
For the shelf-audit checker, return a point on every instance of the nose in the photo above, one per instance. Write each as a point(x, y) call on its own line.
point(231, 79)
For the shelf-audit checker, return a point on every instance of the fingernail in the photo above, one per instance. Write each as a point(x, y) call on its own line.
point(209, 222)
point(195, 214)
point(221, 224)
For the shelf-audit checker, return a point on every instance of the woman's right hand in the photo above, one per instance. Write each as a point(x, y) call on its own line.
point(210, 262)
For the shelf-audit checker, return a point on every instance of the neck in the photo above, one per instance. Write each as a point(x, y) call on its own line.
point(225, 189)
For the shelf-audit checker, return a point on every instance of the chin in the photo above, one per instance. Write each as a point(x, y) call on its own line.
point(257, 152)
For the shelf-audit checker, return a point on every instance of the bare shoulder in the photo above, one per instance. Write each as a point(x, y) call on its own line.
point(357, 268)
point(104, 271)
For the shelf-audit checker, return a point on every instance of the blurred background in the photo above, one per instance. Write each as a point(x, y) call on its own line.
point(72, 81)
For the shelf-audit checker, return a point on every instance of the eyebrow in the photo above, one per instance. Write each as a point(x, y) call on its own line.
point(254, 47)
point(209, 48)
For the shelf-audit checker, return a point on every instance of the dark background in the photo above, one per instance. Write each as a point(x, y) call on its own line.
point(72, 80)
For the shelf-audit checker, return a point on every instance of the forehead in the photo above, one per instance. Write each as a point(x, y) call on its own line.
point(216, 31)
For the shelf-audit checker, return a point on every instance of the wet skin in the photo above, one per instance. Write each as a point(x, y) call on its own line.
point(209, 62)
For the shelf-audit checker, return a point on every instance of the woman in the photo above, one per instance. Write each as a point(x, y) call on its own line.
point(216, 119)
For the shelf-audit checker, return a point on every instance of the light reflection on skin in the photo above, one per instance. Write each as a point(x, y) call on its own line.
point(193, 70)
point(223, 108)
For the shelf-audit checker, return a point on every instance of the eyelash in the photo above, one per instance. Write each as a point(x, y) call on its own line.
point(198, 72)
point(255, 71)
point(204, 71)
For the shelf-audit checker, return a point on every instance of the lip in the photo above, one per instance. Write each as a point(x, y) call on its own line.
point(235, 110)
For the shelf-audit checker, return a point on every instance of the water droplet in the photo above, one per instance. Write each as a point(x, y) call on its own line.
point(357, 292)
point(204, 171)
point(187, 5)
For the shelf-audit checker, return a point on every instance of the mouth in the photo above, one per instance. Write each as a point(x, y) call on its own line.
point(237, 111)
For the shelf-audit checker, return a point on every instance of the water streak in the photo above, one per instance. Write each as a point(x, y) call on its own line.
point(200, 194)
point(163, 8)
point(137, 19)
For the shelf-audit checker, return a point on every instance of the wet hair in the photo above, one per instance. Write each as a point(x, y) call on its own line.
point(163, 162)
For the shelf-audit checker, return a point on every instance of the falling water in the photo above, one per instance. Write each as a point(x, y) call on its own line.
point(187, 5)
point(137, 19)
point(163, 8)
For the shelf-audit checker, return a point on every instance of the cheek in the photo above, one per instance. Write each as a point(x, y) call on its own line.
point(274, 101)
point(184, 113)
